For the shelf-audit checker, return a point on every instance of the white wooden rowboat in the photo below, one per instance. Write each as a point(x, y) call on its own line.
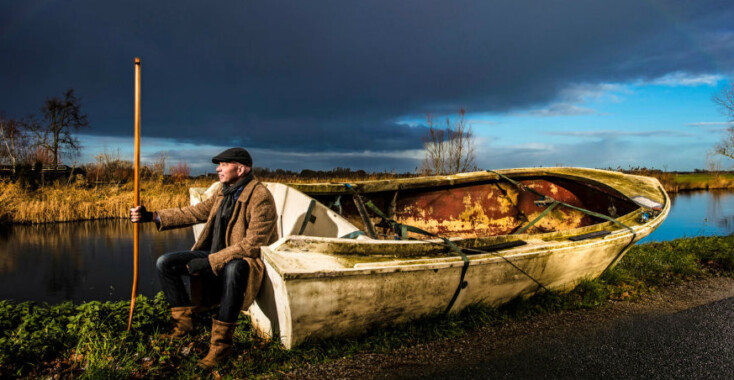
point(321, 284)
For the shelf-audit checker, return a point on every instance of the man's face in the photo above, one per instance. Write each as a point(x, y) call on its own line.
point(230, 172)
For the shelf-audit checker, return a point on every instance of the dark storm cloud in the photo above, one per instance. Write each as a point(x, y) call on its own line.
point(336, 75)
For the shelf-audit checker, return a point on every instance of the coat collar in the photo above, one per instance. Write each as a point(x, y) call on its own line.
point(246, 192)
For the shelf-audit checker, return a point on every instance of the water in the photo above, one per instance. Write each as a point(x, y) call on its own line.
point(93, 260)
point(700, 213)
point(82, 261)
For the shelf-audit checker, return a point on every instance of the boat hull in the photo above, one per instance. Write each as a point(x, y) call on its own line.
point(326, 285)
point(344, 303)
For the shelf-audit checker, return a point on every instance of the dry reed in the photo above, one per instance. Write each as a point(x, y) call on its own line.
point(61, 203)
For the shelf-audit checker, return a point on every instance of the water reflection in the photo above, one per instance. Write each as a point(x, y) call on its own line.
point(81, 261)
point(701, 213)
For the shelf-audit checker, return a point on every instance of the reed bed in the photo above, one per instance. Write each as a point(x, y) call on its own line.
point(62, 203)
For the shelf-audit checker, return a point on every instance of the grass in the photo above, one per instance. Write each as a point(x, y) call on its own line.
point(65, 203)
point(687, 181)
point(677, 182)
point(90, 341)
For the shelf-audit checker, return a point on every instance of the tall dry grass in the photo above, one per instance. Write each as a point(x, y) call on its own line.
point(62, 203)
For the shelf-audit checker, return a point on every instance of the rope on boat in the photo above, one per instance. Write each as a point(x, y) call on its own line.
point(402, 231)
point(539, 217)
point(545, 199)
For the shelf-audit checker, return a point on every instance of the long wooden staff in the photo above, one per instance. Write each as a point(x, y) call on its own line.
point(136, 226)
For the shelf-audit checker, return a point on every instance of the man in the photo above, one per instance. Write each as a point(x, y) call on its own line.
point(225, 261)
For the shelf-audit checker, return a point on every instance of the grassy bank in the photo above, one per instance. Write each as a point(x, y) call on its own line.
point(89, 340)
point(701, 181)
point(674, 182)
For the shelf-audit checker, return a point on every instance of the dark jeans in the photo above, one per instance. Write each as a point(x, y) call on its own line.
point(230, 284)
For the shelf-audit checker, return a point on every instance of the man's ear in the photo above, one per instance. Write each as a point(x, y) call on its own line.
point(243, 170)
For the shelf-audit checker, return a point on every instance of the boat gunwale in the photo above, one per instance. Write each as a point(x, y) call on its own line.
point(584, 175)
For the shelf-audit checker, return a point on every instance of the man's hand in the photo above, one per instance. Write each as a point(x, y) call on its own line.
point(199, 266)
point(140, 215)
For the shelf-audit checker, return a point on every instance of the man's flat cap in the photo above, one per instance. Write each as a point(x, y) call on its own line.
point(234, 155)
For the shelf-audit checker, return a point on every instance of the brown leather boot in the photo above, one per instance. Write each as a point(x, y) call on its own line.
point(221, 344)
point(183, 322)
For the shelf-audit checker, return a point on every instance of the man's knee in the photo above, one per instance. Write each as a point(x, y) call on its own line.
point(165, 262)
point(236, 270)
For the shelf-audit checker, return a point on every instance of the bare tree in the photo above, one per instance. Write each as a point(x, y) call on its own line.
point(449, 150)
point(725, 147)
point(158, 167)
point(180, 171)
point(725, 101)
point(61, 117)
point(460, 155)
point(14, 141)
point(713, 163)
point(434, 145)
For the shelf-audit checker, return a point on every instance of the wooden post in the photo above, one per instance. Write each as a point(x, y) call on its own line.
point(136, 226)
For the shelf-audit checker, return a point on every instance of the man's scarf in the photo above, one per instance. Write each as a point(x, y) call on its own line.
point(224, 213)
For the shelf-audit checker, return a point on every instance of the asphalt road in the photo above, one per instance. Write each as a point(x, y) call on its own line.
point(696, 343)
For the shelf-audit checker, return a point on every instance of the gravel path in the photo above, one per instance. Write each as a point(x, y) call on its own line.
point(538, 346)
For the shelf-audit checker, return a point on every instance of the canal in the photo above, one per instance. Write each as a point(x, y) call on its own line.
point(86, 261)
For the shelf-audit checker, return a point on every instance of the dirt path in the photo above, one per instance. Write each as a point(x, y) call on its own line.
point(440, 357)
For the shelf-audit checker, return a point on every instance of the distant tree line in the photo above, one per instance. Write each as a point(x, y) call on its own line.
point(338, 173)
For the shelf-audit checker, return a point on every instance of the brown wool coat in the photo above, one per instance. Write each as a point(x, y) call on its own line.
point(253, 224)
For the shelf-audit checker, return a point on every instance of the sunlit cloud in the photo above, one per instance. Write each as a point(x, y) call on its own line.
point(561, 109)
point(708, 123)
point(572, 100)
point(484, 122)
point(612, 134)
point(679, 78)
point(583, 92)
